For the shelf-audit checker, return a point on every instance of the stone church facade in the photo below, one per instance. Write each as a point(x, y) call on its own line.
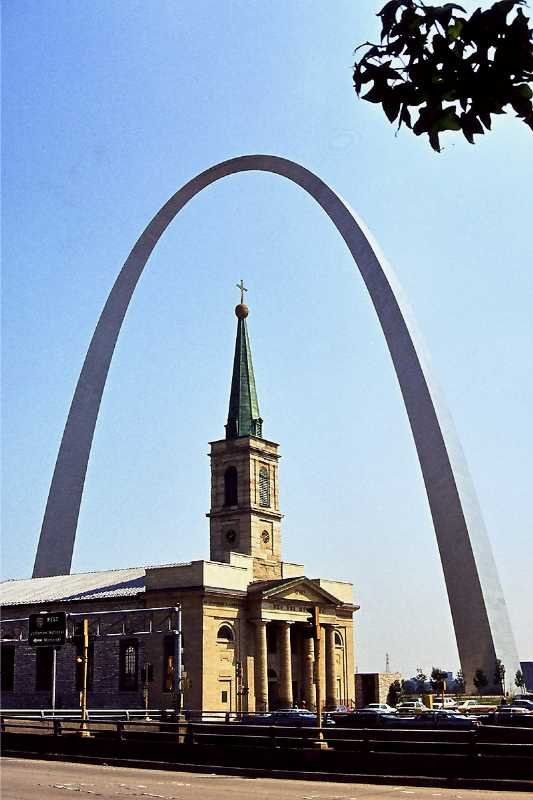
point(244, 613)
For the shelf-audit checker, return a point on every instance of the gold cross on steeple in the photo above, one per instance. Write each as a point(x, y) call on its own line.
point(243, 289)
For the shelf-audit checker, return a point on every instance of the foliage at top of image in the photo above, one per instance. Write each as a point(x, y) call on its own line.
point(455, 70)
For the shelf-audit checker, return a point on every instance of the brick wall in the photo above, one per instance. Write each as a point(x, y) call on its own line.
point(105, 691)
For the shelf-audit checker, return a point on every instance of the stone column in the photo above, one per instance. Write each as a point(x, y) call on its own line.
point(285, 665)
point(331, 678)
point(308, 670)
point(261, 669)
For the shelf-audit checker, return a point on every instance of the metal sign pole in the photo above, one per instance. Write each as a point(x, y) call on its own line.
point(54, 673)
point(178, 666)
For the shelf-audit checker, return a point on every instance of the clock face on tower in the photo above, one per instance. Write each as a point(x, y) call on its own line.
point(231, 536)
point(265, 536)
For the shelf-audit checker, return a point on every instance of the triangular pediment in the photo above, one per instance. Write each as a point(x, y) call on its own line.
point(300, 590)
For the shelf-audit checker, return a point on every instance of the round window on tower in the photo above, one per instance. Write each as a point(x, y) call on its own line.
point(231, 536)
point(265, 536)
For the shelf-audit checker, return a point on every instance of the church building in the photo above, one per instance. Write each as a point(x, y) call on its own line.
point(245, 612)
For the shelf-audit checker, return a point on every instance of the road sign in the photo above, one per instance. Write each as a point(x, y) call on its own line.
point(47, 629)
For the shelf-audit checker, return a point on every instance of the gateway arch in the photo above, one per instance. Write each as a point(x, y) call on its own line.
point(482, 627)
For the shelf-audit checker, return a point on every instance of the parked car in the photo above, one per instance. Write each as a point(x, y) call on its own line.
point(449, 704)
point(256, 719)
point(527, 704)
point(363, 719)
point(444, 718)
point(383, 708)
point(475, 707)
point(411, 707)
point(510, 715)
point(299, 717)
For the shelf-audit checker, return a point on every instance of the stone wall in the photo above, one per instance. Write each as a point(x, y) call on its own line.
point(373, 687)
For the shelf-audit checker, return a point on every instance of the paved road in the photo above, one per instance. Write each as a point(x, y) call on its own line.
point(25, 779)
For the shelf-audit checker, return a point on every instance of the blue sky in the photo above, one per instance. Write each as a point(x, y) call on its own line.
point(108, 107)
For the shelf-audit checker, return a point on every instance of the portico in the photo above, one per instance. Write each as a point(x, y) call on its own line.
point(285, 668)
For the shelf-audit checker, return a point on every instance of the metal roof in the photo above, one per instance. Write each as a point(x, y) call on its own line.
point(83, 586)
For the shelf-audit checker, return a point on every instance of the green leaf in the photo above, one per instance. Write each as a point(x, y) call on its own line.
point(388, 16)
point(485, 119)
point(434, 140)
point(524, 91)
point(454, 31)
point(449, 121)
point(375, 95)
point(405, 117)
point(391, 106)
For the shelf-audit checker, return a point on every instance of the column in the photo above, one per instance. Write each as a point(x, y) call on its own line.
point(285, 665)
point(331, 678)
point(261, 673)
point(308, 669)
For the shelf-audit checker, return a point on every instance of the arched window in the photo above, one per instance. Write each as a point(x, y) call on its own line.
point(338, 639)
point(264, 488)
point(128, 665)
point(230, 487)
point(225, 634)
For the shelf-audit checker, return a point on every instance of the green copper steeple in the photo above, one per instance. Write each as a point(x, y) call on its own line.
point(243, 416)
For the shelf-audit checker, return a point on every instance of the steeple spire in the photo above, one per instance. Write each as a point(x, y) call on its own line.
point(243, 416)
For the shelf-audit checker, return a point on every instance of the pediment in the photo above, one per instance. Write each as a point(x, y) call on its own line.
point(300, 590)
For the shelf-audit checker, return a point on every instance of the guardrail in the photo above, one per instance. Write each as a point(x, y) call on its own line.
point(75, 713)
point(487, 752)
point(121, 722)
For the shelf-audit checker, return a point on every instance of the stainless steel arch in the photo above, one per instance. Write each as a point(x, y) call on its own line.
point(480, 618)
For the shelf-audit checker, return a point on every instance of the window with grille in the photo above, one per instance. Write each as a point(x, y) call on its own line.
point(264, 487)
point(128, 665)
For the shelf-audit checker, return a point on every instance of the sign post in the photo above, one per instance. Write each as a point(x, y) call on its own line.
point(54, 669)
point(178, 665)
point(48, 629)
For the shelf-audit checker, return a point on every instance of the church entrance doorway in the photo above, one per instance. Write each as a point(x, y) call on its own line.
point(273, 690)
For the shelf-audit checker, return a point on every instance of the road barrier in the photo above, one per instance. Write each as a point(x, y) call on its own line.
point(489, 752)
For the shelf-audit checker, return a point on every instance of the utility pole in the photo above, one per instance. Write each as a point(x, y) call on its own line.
point(84, 731)
point(315, 622)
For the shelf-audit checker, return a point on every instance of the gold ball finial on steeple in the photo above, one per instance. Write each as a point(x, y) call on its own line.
point(241, 310)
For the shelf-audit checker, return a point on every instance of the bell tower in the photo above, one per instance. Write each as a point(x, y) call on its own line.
point(245, 516)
